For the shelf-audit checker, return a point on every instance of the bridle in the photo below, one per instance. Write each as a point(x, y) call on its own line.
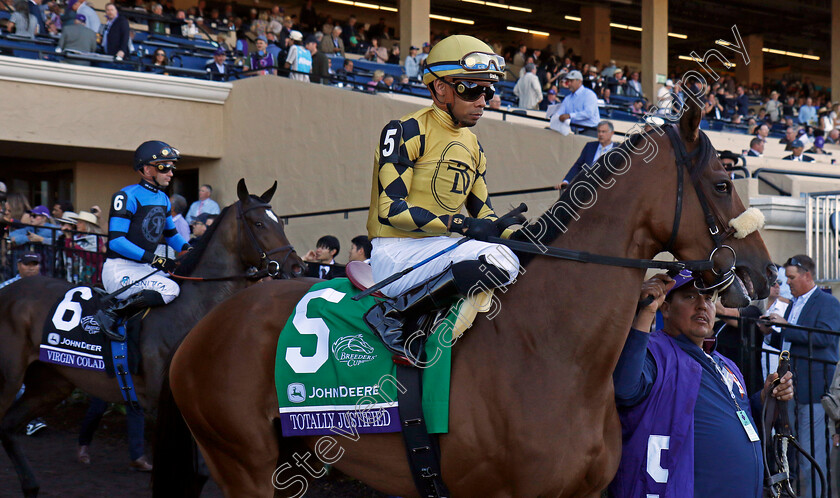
point(267, 267)
point(271, 267)
point(684, 160)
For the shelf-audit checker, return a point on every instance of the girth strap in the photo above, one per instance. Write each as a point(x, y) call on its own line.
point(422, 449)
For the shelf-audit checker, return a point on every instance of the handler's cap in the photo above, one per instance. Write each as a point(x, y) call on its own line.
point(683, 277)
point(296, 35)
point(573, 75)
point(81, 18)
point(30, 257)
point(41, 211)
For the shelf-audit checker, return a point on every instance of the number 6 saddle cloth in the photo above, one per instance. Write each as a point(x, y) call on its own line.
point(72, 337)
point(334, 376)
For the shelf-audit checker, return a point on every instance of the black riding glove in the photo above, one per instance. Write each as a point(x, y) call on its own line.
point(514, 217)
point(474, 228)
point(165, 264)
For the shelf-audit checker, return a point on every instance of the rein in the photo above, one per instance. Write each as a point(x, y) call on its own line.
point(269, 267)
point(684, 159)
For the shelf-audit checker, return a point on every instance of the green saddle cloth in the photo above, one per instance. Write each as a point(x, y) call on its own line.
point(333, 375)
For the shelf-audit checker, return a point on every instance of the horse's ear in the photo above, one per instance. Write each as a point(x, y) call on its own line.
point(693, 113)
point(242, 191)
point(268, 194)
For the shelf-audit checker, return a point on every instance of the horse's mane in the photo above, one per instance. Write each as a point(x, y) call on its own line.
point(545, 229)
point(190, 261)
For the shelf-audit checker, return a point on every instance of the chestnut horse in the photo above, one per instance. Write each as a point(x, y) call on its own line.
point(532, 411)
point(226, 251)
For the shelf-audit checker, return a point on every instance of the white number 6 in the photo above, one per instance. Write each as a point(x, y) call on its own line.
point(389, 142)
point(69, 305)
point(317, 327)
point(119, 202)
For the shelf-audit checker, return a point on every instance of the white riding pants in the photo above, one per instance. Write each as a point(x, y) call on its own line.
point(118, 272)
point(391, 255)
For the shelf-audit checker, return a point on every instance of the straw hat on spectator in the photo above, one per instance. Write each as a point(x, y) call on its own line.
point(69, 218)
point(87, 217)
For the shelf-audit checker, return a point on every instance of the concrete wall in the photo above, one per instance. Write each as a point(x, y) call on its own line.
point(318, 142)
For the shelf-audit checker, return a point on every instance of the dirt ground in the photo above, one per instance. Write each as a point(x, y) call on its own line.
point(52, 453)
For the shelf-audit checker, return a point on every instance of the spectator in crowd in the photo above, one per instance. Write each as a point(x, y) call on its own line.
point(199, 225)
point(810, 308)
point(592, 151)
point(261, 60)
point(360, 248)
point(683, 408)
point(91, 17)
point(333, 44)
point(17, 208)
point(346, 71)
point(634, 85)
point(136, 424)
point(323, 259)
point(299, 59)
point(308, 17)
point(88, 224)
point(41, 233)
point(217, 69)
point(609, 71)
point(387, 83)
point(762, 131)
point(638, 107)
point(320, 63)
point(52, 18)
point(773, 107)
point(349, 35)
point(798, 148)
point(549, 100)
point(159, 62)
point(275, 50)
point(375, 53)
point(179, 208)
point(789, 108)
point(427, 47)
point(157, 24)
point(60, 207)
point(807, 112)
point(742, 101)
point(376, 84)
point(528, 88)
point(379, 30)
point(28, 265)
point(22, 22)
point(35, 9)
point(580, 106)
point(519, 60)
point(204, 204)
point(824, 121)
point(713, 109)
point(665, 97)
point(115, 36)
point(394, 54)
point(412, 64)
point(756, 147)
point(790, 136)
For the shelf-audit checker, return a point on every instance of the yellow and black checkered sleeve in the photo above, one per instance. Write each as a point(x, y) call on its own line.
point(478, 200)
point(401, 143)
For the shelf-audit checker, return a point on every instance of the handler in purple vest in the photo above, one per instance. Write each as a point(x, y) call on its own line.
point(686, 421)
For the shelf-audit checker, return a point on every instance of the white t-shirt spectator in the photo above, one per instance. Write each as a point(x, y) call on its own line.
point(529, 91)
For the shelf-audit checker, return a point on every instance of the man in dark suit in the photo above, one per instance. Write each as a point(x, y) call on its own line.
point(811, 307)
point(798, 149)
point(756, 147)
point(35, 10)
point(592, 151)
point(115, 35)
point(322, 259)
point(217, 69)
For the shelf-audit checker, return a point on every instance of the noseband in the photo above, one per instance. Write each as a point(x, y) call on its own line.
point(271, 267)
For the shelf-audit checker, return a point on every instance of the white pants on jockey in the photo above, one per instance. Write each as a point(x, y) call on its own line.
point(391, 255)
point(118, 272)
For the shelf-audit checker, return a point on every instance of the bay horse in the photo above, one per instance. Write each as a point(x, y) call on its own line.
point(532, 410)
point(246, 235)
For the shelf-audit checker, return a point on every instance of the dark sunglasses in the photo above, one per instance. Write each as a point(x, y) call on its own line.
point(472, 91)
point(164, 168)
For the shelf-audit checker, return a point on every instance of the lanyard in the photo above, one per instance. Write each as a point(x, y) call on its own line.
point(725, 379)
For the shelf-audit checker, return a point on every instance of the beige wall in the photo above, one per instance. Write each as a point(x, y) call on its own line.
point(318, 143)
point(96, 183)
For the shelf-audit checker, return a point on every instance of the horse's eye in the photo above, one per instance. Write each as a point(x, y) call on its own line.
point(723, 187)
point(258, 224)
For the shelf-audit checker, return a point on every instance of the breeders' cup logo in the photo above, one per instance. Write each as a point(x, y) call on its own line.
point(153, 224)
point(296, 392)
point(352, 350)
point(90, 325)
point(53, 338)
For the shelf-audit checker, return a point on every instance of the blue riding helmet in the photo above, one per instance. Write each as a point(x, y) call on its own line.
point(154, 151)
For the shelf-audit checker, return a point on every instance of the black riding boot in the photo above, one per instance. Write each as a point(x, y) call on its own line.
point(110, 317)
point(388, 317)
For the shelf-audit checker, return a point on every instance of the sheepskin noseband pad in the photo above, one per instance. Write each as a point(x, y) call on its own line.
point(748, 222)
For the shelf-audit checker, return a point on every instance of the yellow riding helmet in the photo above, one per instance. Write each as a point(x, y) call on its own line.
point(463, 56)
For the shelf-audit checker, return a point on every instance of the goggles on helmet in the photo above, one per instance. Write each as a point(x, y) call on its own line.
point(482, 61)
point(163, 166)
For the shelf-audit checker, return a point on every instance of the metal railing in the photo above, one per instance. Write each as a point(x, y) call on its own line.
point(822, 235)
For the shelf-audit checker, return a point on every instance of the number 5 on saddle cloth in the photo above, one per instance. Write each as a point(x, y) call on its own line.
point(72, 338)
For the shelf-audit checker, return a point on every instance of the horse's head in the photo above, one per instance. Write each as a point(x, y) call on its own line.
point(261, 240)
point(713, 223)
